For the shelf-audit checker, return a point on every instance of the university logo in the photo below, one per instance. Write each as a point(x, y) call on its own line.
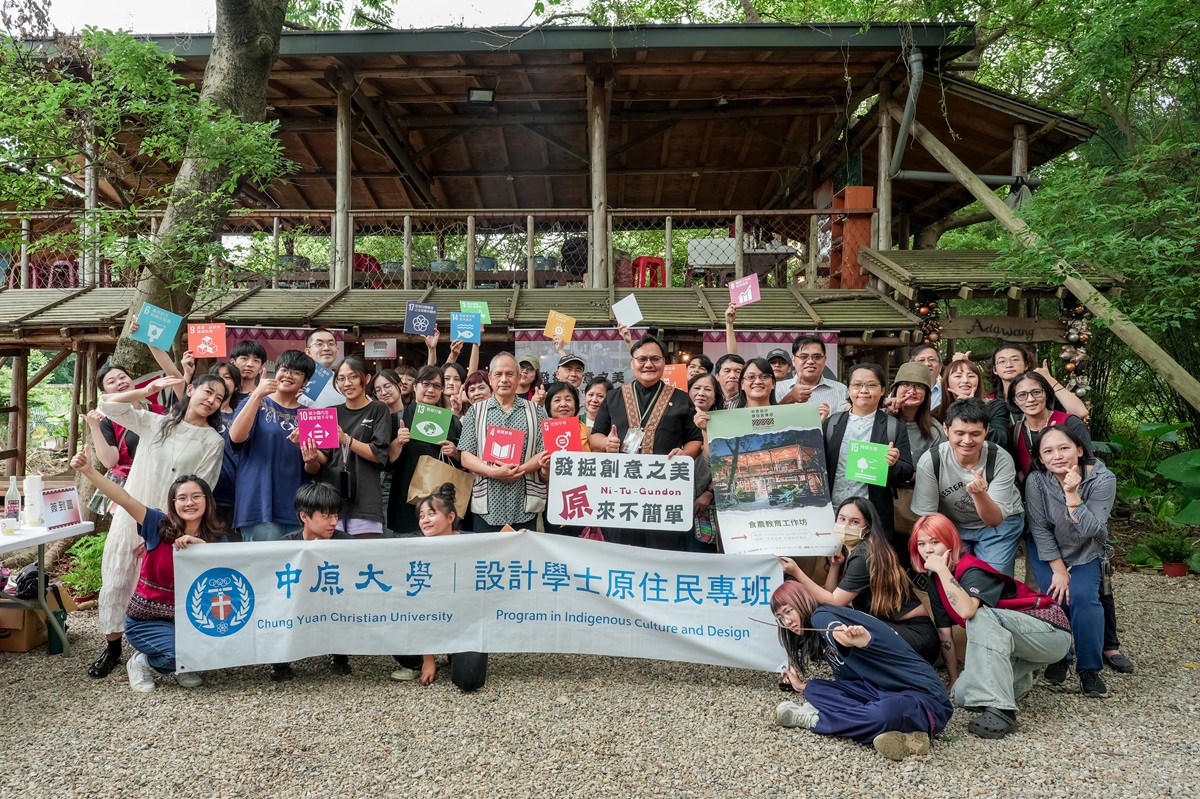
point(220, 602)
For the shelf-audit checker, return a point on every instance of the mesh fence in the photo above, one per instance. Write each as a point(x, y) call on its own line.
point(447, 249)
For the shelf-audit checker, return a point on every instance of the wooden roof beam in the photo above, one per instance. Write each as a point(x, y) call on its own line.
point(542, 133)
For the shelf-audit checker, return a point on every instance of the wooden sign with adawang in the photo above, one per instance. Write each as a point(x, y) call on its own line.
point(1008, 328)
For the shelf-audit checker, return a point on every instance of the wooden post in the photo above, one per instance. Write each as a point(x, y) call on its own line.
point(18, 423)
point(76, 387)
point(1145, 347)
point(530, 266)
point(471, 251)
point(26, 234)
point(668, 254)
point(591, 236)
point(275, 248)
point(90, 265)
point(739, 254)
point(597, 111)
point(883, 202)
point(408, 263)
point(1020, 152)
point(89, 377)
point(340, 274)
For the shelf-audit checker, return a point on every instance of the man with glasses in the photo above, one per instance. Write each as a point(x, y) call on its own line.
point(651, 418)
point(321, 345)
point(505, 493)
point(270, 466)
point(928, 356)
point(811, 384)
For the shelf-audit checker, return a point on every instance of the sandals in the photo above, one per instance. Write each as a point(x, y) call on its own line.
point(109, 659)
point(993, 723)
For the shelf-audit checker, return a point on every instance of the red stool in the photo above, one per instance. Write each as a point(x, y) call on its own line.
point(649, 272)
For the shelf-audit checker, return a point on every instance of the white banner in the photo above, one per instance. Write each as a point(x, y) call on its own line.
point(488, 592)
point(595, 489)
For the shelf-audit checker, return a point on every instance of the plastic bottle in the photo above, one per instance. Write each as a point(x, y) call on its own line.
point(12, 507)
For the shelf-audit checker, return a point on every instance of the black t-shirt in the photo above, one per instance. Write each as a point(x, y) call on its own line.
point(856, 578)
point(988, 588)
point(402, 516)
point(109, 431)
point(676, 428)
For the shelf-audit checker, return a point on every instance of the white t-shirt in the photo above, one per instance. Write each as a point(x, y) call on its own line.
point(949, 495)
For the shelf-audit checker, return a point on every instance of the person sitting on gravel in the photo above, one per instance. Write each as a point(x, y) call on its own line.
point(872, 579)
point(882, 692)
point(319, 506)
point(191, 518)
point(437, 516)
point(1012, 630)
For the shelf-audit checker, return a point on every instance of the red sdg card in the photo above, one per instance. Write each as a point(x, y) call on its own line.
point(562, 434)
point(504, 445)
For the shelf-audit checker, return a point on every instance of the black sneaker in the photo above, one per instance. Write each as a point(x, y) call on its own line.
point(340, 665)
point(1092, 685)
point(109, 659)
point(282, 672)
point(1056, 673)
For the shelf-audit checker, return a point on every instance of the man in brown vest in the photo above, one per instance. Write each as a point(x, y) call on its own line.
point(651, 418)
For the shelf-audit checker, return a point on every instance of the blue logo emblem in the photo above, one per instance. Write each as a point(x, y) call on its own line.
point(220, 602)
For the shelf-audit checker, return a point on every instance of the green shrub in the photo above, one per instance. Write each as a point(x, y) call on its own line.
point(84, 576)
point(1171, 546)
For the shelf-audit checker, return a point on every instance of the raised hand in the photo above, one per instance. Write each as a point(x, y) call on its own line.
point(1071, 480)
point(612, 443)
point(893, 454)
point(977, 485)
point(403, 435)
point(81, 461)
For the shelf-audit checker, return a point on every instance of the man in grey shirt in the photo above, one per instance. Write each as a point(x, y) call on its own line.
point(810, 383)
point(955, 479)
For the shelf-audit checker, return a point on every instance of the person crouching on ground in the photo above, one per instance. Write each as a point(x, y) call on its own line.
point(437, 516)
point(191, 518)
point(319, 506)
point(882, 692)
point(1011, 629)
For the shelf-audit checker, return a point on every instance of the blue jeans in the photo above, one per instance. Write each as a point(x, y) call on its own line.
point(154, 639)
point(1084, 609)
point(995, 546)
point(265, 531)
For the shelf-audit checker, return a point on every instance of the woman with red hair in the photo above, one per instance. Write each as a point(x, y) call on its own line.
point(1012, 630)
point(882, 692)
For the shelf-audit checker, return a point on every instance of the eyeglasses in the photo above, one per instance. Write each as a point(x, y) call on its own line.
point(864, 386)
point(757, 378)
point(342, 380)
point(283, 370)
point(642, 360)
point(381, 388)
point(1033, 393)
point(430, 384)
point(806, 356)
point(1018, 361)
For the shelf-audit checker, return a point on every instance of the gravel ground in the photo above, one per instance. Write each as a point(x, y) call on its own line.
point(566, 725)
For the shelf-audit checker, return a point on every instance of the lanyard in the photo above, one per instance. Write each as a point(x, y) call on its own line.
point(642, 415)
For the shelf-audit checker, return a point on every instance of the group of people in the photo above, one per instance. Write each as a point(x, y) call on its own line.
point(972, 474)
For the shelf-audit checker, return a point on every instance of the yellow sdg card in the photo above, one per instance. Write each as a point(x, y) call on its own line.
point(559, 324)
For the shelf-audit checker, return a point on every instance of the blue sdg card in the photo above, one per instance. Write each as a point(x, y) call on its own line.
point(466, 327)
point(420, 318)
point(321, 377)
point(156, 326)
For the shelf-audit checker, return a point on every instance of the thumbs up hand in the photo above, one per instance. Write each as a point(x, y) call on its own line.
point(402, 434)
point(612, 443)
point(893, 454)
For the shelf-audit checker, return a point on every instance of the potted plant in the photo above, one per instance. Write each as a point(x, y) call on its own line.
point(1173, 548)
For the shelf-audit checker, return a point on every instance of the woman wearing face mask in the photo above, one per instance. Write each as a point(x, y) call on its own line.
point(364, 428)
point(871, 580)
point(184, 441)
point(468, 670)
point(405, 452)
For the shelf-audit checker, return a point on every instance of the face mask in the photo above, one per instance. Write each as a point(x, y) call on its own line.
point(849, 535)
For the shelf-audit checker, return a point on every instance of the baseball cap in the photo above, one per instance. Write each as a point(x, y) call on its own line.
point(913, 372)
point(571, 357)
point(531, 361)
point(783, 355)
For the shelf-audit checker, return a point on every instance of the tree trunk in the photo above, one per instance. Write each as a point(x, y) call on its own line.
point(927, 238)
point(244, 48)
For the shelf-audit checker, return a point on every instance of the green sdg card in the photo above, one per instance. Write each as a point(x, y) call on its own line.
point(476, 306)
point(867, 462)
point(431, 424)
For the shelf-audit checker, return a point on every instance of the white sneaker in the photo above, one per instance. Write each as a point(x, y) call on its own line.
point(141, 676)
point(403, 674)
point(189, 679)
point(789, 714)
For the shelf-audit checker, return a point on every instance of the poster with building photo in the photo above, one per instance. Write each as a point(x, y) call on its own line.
point(769, 478)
